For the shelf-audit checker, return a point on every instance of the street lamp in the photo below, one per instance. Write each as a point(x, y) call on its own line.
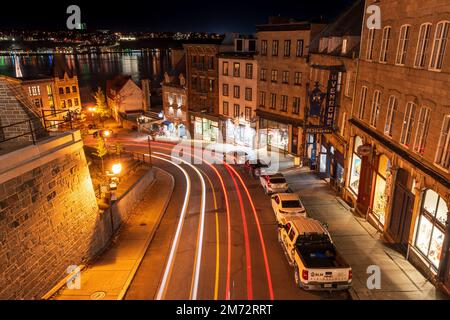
point(106, 133)
point(116, 168)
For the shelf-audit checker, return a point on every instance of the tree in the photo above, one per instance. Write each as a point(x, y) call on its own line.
point(100, 103)
point(101, 150)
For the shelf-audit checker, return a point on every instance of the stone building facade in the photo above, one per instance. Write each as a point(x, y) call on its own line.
point(399, 153)
point(283, 50)
point(238, 72)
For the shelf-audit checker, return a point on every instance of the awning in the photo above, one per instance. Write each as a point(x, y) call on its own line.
point(279, 118)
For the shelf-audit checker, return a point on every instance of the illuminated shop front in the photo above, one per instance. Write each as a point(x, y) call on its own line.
point(431, 226)
point(355, 170)
point(383, 183)
point(205, 129)
point(240, 133)
point(274, 134)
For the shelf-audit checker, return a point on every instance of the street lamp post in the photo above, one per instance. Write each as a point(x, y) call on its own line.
point(149, 151)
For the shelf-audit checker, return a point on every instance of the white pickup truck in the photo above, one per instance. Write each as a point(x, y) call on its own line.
point(310, 250)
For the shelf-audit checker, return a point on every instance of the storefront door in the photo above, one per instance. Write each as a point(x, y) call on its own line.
point(365, 186)
point(402, 210)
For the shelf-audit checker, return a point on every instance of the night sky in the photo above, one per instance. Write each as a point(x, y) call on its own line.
point(165, 15)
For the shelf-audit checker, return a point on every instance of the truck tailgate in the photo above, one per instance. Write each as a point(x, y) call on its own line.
point(328, 275)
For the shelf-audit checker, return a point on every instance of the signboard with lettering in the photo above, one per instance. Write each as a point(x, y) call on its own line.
point(331, 102)
point(318, 129)
point(315, 101)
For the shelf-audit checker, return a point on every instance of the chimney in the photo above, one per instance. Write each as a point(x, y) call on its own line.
point(146, 93)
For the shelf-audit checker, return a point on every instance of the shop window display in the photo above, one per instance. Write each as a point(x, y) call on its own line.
point(355, 171)
point(431, 225)
point(382, 188)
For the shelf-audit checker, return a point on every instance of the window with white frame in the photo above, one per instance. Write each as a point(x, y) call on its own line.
point(370, 41)
point(262, 99)
point(225, 108)
point(408, 124)
point(344, 46)
point(422, 130)
point(385, 44)
point(273, 100)
point(422, 45)
point(376, 105)
point(443, 150)
point(284, 103)
point(362, 102)
point(237, 111)
point(439, 45)
point(390, 115)
point(403, 41)
point(348, 79)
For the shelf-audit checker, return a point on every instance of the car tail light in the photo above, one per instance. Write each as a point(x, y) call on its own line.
point(350, 274)
point(305, 274)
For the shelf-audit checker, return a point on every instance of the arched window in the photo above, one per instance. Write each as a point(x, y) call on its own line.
point(431, 227)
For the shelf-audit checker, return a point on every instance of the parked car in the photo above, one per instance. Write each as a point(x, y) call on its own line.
point(255, 167)
point(287, 205)
point(309, 249)
point(274, 183)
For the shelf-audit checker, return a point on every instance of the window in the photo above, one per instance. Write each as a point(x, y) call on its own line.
point(287, 48)
point(263, 75)
point(225, 89)
point(211, 63)
point(376, 105)
point(422, 130)
point(236, 69)
point(275, 47)
point(296, 105)
point(284, 103)
point(273, 101)
point(348, 79)
point(298, 78)
point(237, 111)
point(249, 71)
point(63, 104)
point(248, 94)
point(390, 116)
point(344, 46)
point(69, 103)
point(67, 89)
point(76, 102)
point(34, 90)
point(443, 150)
point(225, 108)
point(299, 49)
point(403, 44)
point(408, 124)
point(225, 68)
point(248, 114)
point(74, 89)
point(38, 103)
point(236, 91)
point(263, 47)
point(343, 124)
point(440, 42)
point(385, 44)
point(355, 171)
point(262, 99)
point(274, 75)
point(370, 41)
point(431, 227)
point(362, 103)
point(211, 85)
point(285, 77)
point(238, 44)
point(422, 45)
point(61, 90)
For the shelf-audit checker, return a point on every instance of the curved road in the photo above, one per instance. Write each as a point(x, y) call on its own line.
point(235, 256)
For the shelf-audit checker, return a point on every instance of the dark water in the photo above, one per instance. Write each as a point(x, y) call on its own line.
point(94, 69)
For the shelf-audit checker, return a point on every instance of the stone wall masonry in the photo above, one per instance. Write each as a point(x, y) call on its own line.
point(49, 220)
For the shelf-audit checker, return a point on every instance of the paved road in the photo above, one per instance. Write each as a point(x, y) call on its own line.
point(239, 256)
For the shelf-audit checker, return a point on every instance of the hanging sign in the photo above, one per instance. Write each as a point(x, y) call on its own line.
point(331, 102)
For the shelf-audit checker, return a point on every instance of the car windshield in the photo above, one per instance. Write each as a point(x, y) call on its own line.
point(277, 180)
point(291, 204)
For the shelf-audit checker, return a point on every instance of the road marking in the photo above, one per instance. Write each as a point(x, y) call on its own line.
point(168, 270)
point(261, 238)
point(246, 238)
point(216, 280)
point(201, 229)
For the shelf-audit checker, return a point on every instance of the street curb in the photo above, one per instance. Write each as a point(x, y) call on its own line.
point(130, 278)
point(61, 283)
point(353, 294)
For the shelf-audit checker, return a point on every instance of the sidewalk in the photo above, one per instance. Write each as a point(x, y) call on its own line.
point(360, 244)
point(110, 275)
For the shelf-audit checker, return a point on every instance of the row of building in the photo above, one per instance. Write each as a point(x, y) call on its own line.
point(368, 109)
